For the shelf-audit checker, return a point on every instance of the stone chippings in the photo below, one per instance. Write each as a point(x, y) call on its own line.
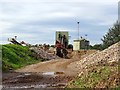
point(109, 55)
point(41, 53)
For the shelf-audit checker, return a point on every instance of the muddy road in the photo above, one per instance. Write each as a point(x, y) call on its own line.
point(45, 75)
point(34, 81)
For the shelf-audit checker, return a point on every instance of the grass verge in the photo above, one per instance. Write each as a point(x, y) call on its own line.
point(16, 56)
point(98, 77)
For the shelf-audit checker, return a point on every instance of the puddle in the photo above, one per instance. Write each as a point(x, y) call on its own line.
point(20, 76)
point(59, 85)
point(27, 74)
point(37, 80)
point(36, 86)
point(52, 73)
point(48, 73)
point(1, 87)
point(31, 86)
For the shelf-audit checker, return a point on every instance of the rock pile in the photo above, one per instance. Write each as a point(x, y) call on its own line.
point(41, 53)
point(109, 55)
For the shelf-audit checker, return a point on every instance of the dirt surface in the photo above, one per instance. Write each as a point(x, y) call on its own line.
point(60, 65)
point(33, 81)
point(57, 73)
point(51, 74)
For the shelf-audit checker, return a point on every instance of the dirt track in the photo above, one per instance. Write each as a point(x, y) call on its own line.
point(59, 65)
point(53, 73)
point(49, 74)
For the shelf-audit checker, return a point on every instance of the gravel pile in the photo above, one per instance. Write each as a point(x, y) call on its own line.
point(109, 55)
point(41, 53)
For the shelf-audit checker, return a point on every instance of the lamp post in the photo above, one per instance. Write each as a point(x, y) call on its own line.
point(15, 37)
point(86, 36)
point(78, 29)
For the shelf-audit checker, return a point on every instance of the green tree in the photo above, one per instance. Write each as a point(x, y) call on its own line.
point(112, 36)
point(97, 47)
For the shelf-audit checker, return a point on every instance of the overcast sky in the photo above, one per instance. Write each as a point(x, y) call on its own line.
point(36, 21)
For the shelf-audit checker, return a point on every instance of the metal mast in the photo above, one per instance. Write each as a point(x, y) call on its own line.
point(78, 29)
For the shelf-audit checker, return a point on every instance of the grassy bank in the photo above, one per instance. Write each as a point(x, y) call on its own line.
point(16, 56)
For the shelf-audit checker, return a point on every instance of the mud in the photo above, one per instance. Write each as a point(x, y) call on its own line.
point(49, 80)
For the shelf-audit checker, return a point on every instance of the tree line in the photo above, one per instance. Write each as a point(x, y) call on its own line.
point(110, 38)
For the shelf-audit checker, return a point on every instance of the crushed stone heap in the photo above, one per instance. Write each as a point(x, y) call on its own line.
point(109, 55)
point(41, 53)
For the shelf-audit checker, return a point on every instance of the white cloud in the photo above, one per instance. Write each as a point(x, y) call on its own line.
point(31, 1)
point(16, 14)
point(4, 26)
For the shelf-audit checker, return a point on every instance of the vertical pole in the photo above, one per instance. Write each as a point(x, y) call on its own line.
point(78, 30)
point(15, 37)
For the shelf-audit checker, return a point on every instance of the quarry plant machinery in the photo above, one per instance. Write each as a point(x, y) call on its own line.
point(62, 40)
point(14, 41)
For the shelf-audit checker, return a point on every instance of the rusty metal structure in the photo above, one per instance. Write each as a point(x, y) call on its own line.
point(63, 38)
point(14, 41)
